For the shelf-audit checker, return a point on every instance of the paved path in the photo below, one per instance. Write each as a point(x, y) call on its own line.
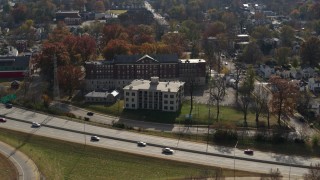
point(26, 167)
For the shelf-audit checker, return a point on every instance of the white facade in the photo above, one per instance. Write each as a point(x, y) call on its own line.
point(155, 95)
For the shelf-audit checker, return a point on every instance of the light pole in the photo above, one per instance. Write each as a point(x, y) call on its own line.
point(234, 160)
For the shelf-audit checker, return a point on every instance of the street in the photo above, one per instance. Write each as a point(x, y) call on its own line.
point(125, 141)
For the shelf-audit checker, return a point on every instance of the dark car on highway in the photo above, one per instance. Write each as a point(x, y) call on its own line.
point(90, 113)
point(8, 105)
point(248, 151)
point(3, 120)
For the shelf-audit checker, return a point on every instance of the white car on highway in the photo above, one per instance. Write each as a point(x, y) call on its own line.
point(35, 124)
point(167, 150)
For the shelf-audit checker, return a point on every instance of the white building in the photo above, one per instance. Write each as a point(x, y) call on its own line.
point(155, 95)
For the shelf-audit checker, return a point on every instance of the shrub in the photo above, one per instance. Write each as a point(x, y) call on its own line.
point(222, 135)
point(315, 140)
point(118, 125)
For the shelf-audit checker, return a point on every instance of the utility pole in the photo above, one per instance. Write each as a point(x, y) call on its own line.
point(234, 160)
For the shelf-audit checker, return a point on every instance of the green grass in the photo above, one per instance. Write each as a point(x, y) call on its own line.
point(229, 116)
point(117, 12)
point(65, 160)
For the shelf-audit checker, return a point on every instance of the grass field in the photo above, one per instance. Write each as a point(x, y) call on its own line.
point(65, 160)
point(7, 169)
point(117, 12)
point(200, 114)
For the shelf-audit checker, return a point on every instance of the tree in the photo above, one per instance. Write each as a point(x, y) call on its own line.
point(99, 7)
point(310, 52)
point(115, 47)
point(287, 36)
point(273, 175)
point(217, 92)
point(59, 33)
point(214, 29)
point(284, 96)
point(19, 12)
point(69, 77)
point(313, 173)
point(86, 47)
point(282, 54)
point(245, 92)
point(260, 100)
point(251, 54)
point(45, 61)
point(239, 68)
point(111, 32)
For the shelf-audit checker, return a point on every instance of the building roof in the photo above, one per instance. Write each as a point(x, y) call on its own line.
point(160, 58)
point(15, 61)
point(192, 61)
point(141, 84)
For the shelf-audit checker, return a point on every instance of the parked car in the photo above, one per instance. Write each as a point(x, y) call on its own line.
point(8, 105)
point(142, 144)
point(167, 150)
point(3, 120)
point(35, 124)
point(95, 138)
point(90, 113)
point(248, 151)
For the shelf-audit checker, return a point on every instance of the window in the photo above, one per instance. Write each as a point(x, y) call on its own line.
point(171, 108)
point(171, 102)
point(166, 96)
point(127, 99)
point(132, 100)
point(171, 96)
point(133, 94)
point(127, 93)
point(127, 105)
point(133, 105)
point(165, 102)
point(165, 107)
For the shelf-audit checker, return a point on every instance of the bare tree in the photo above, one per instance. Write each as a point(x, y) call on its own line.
point(217, 92)
point(260, 101)
point(273, 175)
point(245, 92)
point(238, 72)
point(314, 173)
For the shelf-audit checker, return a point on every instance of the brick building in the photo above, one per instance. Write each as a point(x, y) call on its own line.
point(125, 68)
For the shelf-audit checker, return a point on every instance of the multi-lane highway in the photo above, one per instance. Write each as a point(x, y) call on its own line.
point(125, 141)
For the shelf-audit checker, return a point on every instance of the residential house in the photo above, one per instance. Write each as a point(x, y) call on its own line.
point(101, 97)
point(266, 70)
point(314, 84)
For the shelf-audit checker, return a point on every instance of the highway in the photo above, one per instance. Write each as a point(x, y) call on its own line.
point(126, 141)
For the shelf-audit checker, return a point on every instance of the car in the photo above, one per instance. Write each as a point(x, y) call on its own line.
point(248, 151)
point(226, 63)
point(35, 124)
point(141, 144)
point(90, 113)
point(95, 138)
point(167, 150)
point(8, 105)
point(3, 120)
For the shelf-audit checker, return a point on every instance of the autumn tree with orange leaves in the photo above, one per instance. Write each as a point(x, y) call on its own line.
point(69, 77)
point(284, 96)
